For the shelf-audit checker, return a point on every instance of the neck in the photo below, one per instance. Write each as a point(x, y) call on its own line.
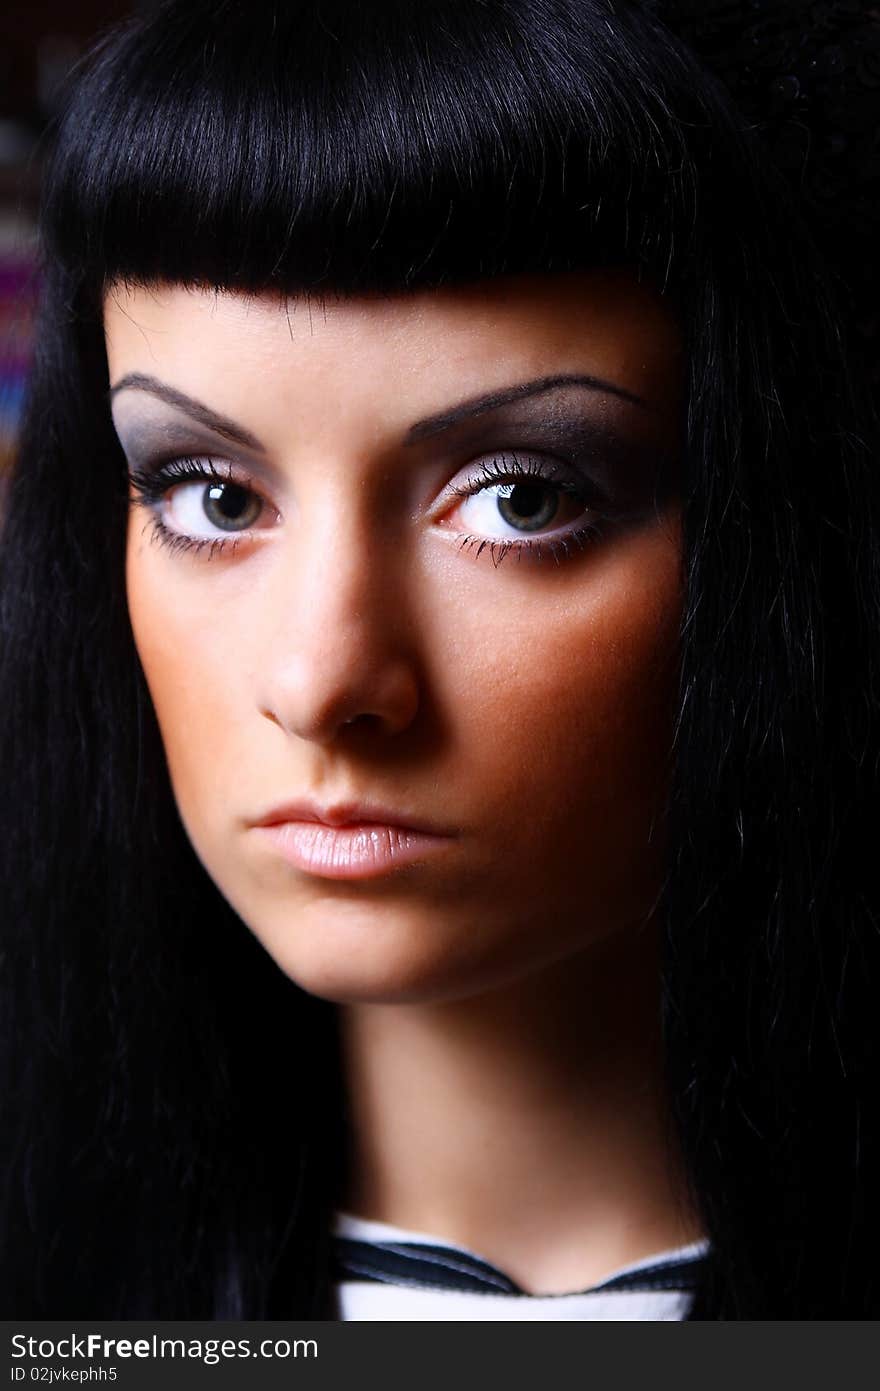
point(528, 1124)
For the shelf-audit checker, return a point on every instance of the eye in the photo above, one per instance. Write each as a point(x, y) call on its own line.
point(197, 507)
point(196, 503)
point(528, 504)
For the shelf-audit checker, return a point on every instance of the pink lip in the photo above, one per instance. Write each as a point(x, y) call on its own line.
point(349, 840)
point(363, 851)
point(347, 813)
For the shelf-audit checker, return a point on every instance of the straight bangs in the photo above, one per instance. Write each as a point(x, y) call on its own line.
point(354, 148)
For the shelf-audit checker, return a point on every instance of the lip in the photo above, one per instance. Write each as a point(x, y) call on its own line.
point(346, 813)
point(349, 840)
point(364, 851)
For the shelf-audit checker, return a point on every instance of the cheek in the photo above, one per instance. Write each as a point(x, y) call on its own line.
point(571, 706)
point(188, 662)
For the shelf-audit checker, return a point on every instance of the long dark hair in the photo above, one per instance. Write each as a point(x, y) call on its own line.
point(174, 1128)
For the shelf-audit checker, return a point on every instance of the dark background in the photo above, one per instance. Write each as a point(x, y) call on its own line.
point(39, 43)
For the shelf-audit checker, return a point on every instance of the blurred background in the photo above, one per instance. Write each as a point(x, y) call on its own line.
point(39, 45)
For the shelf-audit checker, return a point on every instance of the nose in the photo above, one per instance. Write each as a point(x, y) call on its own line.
point(339, 639)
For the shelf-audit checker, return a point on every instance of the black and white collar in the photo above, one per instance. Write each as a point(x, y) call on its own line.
point(431, 1274)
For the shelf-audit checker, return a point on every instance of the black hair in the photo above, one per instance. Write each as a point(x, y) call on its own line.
point(174, 1131)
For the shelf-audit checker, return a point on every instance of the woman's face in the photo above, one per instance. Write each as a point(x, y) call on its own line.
point(424, 555)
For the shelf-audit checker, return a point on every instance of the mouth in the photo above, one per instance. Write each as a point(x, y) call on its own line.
point(349, 840)
point(350, 852)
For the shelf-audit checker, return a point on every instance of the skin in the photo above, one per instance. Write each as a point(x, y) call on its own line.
point(497, 1001)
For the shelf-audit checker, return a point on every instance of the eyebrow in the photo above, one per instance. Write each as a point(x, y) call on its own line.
point(422, 429)
point(220, 424)
point(478, 405)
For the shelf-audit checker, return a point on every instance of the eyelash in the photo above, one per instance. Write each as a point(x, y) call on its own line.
point(509, 469)
point(152, 485)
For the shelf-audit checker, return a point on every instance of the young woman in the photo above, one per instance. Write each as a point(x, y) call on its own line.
point(440, 604)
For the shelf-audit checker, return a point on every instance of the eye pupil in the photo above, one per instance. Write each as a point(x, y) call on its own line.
point(528, 502)
point(235, 501)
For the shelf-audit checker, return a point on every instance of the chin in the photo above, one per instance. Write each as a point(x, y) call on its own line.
point(348, 952)
point(375, 981)
point(379, 953)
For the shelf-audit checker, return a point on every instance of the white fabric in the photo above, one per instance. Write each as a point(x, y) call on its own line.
point(362, 1300)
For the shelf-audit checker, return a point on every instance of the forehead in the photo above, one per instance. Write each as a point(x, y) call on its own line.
point(420, 347)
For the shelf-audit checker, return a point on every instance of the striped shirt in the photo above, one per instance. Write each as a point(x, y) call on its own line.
point(383, 1272)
